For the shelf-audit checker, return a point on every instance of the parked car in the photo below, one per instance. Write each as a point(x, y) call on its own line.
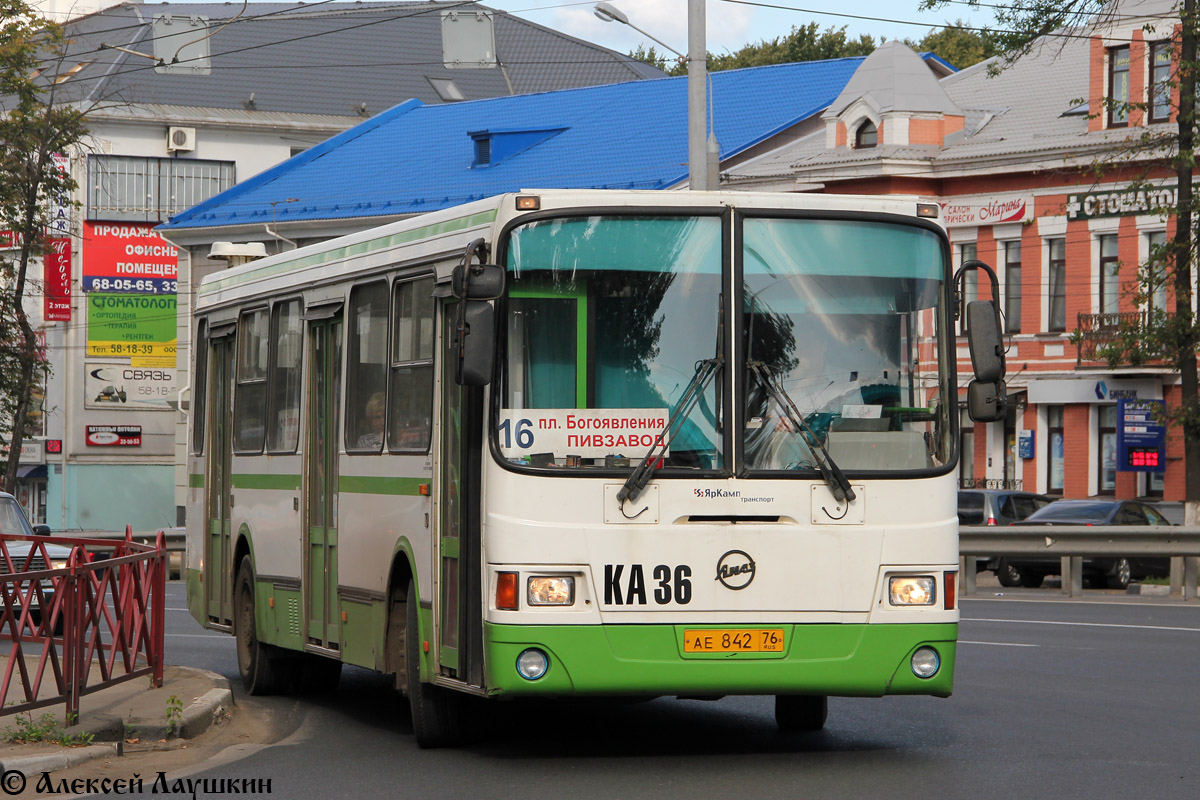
point(996, 507)
point(12, 520)
point(1113, 571)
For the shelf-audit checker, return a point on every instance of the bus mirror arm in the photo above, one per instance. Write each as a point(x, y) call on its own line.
point(473, 280)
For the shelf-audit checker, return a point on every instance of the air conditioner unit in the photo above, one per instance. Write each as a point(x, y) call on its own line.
point(181, 139)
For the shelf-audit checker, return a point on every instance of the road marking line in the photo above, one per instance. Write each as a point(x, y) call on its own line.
point(1141, 602)
point(999, 644)
point(196, 635)
point(1080, 624)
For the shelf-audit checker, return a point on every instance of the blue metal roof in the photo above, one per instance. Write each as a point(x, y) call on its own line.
point(414, 157)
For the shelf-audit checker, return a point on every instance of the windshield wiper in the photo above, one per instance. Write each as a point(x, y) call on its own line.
point(835, 479)
point(706, 368)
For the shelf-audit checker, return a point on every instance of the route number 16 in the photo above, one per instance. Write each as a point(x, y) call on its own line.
point(524, 433)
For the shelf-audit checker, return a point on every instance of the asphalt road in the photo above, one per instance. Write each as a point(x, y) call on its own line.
point(1053, 698)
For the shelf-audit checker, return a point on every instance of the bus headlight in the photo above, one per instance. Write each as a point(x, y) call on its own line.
point(926, 662)
point(551, 590)
point(532, 664)
point(911, 590)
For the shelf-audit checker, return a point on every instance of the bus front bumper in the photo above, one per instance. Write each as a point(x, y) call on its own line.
point(849, 660)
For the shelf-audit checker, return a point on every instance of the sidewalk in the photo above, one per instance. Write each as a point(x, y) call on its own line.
point(189, 702)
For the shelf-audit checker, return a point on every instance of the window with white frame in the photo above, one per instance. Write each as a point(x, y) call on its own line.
point(1056, 280)
point(1155, 271)
point(1012, 286)
point(1109, 264)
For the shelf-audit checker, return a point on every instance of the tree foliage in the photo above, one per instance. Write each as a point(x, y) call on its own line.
point(35, 125)
point(957, 43)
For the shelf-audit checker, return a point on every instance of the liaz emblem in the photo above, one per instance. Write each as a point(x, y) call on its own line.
point(735, 570)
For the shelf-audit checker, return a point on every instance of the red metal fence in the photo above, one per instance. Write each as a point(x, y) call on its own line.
point(80, 615)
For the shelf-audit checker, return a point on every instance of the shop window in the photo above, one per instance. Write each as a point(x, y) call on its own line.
point(1118, 87)
point(867, 135)
point(1160, 82)
point(286, 351)
point(250, 395)
point(1056, 269)
point(411, 399)
point(1109, 264)
point(1055, 472)
point(1108, 449)
point(1012, 287)
point(366, 367)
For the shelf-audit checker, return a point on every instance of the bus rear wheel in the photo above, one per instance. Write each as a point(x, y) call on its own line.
point(801, 713)
point(263, 671)
point(437, 714)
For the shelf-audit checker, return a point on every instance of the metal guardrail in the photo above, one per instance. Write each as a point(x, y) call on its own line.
point(78, 614)
point(175, 540)
point(1072, 542)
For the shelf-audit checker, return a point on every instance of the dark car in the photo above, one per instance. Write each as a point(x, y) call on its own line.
point(1112, 571)
point(996, 507)
point(12, 520)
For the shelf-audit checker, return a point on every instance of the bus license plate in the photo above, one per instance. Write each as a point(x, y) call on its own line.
point(734, 640)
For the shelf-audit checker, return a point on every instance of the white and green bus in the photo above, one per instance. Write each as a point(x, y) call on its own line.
point(588, 443)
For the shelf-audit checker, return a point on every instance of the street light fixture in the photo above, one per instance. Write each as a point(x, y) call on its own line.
point(703, 156)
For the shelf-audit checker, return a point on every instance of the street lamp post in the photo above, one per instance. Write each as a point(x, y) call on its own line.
point(699, 178)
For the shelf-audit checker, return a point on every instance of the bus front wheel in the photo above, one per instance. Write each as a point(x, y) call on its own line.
point(437, 713)
point(262, 670)
point(801, 712)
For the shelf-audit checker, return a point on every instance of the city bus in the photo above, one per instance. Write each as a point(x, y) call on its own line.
point(589, 444)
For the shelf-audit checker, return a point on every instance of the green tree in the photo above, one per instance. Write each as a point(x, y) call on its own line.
point(36, 124)
point(803, 43)
point(1169, 335)
point(957, 43)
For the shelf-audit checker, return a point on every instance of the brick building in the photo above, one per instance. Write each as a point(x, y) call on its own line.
point(1008, 157)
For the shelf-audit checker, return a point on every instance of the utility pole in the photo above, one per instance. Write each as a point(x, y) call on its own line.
point(698, 178)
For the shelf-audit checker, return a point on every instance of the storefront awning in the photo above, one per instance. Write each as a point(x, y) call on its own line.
point(32, 471)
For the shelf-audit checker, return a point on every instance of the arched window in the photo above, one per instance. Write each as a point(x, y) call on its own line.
point(867, 135)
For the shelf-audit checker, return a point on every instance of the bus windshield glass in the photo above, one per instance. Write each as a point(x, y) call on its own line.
point(845, 349)
point(610, 321)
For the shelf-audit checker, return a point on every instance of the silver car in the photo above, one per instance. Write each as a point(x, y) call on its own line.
point(12, 520)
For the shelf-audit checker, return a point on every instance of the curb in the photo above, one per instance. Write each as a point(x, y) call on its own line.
point(111, 730)
point(1148, 590)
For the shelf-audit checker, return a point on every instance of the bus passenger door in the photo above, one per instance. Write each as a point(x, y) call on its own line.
point(458, 601)
point(218, 583)
point(321, 481)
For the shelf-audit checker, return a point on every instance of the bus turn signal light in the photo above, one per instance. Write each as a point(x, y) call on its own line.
point(506, 591)
point(949, 580)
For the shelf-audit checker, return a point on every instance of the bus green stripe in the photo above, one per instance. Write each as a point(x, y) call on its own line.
point(247, 480)
point(357, 249)
point(369, 484)
point(196, 480)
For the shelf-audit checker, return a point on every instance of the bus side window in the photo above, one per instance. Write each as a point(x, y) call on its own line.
point(199, 388)
point(250, 394)
point(366, 368)
point(283, 409)
point(411, 397)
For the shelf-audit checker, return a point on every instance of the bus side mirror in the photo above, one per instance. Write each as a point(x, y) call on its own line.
point(983, 336)
point(477, 282)
point(987, 401)
point(475, 343)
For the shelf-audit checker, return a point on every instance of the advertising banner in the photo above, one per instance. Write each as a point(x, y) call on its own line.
point(114, 436)
point(124, 386)
point(987, 210)
point(141, 327)
point(56, 275)
point(128, 257)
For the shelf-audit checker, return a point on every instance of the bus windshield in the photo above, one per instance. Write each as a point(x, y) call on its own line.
point(844, 347)
point(609, 320)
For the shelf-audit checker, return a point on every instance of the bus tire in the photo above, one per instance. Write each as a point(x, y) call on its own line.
point(437, 713)
point(801, 713)
point(262, 671)
point(318, 674)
